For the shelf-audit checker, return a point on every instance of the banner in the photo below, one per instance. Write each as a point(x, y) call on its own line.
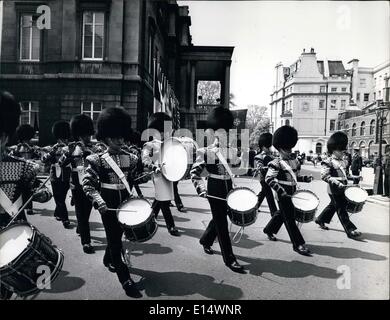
point(239, 118)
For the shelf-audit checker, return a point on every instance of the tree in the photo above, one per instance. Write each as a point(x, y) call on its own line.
point(257, 121)
point(232, 104)
point(262, 126)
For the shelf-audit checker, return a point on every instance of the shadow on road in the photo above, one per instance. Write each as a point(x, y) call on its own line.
point(199, 210)
point(287, 269)
point(139, 249)
point(345, 253)
point(375, 237)
point(64, 283)
point(175, 283)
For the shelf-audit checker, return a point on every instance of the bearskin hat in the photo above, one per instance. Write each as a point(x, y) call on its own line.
point(285, 137)
point(113, 122)
point(9, 113)
point(337, 141)
point(220, 118)
point(265, 140)
point(25, 132)
point(81, 125)
point(156, 121)
point(61, 130)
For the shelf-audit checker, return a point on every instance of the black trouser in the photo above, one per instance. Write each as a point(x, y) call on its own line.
point(338, 204)
point(60, 190)
point(178, 201)
point(286, 215)
point(83, 207)
point(387, 183)
point(356, 173)
point(266, 192)
point(138, 190)
point(218, 226)
point(164, 206)
point(114, 232)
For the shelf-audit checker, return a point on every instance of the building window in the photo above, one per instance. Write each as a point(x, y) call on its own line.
point(91, 109)
point(358, 96)
point(30, 114)
point(374, 96)
point(344, 89)
point(366, 97)
point(321, 104)
point(362, 128)
point(372, 127)
point(322, 88)
point(30, 38)
point(333, 89)
point(333, 104)
point(347, 129)
point(385, 126)
point(363, 82)
point(287, 122)
point(379, 94)
point(354, 130)
point(343, 104)
point(93, 35)
point(332, 125)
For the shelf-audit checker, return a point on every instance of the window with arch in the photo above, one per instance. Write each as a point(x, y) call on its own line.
point(372, 126)
point(362, 128)
point(347, 129)
point(287, 122)
point(354, 130)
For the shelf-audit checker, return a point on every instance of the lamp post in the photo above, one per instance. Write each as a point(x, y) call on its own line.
point(382, 111)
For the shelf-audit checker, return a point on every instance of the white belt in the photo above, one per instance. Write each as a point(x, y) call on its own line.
point(287, 183)
point(220, 177)
point(339, 178)
point(113, 186)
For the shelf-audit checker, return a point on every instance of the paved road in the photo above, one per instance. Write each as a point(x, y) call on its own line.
point(167, 267)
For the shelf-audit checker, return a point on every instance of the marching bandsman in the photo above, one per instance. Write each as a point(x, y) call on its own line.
point(150, 158)
point(17, 175)
point(24, 149)
point(283, 176)
point(334, 174)
point(81, 127)
point(261, 161)
point(219, 183)
point(59, 177)
point(106, 183)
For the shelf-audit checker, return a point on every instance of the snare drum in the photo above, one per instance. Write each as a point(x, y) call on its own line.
point(138, 223)
point(243, 205)
point(356, 198)
point(305, 203)
point(23, 253)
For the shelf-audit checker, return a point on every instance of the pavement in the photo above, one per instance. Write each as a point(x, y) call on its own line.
point(168, 267)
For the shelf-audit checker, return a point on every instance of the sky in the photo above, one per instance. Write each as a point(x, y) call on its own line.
point(267, 32)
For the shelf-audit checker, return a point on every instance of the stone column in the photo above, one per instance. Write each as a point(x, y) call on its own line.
point(227, 85)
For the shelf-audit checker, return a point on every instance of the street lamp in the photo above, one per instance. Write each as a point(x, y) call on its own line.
point(382, 111)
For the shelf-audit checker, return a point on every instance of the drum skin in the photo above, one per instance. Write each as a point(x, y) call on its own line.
point(144, 227)
point(21, 275)
point(356, 198)
point(305, 215)
point(248, 214)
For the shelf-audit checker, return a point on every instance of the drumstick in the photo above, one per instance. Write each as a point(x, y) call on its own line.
point(216, 198)
point(124, 210)
point(144, 175)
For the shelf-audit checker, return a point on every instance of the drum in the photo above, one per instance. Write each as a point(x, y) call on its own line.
point(356, 197)
point(243, 205)
point(305, 203)
point(24, 255)
point(191, 146)
point(137, 220)
point(177, 158)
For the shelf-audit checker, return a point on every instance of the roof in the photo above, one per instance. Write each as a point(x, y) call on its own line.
point(334, 67)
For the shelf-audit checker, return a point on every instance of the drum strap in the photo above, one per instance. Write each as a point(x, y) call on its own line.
point(117, 170)
point(338, 166)
point(224, 163)
point(289, 169)
point(8, 206)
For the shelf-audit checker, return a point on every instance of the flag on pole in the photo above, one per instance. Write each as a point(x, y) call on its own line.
point(239, 118)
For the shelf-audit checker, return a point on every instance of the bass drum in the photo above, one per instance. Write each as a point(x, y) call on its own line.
point(25, 254)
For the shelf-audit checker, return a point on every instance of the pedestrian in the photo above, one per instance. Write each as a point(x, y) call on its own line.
point(59, 177)
point(356, 166)
point(283, 176)
point(333, 173)
point(387, 171)
point(219, 184)
point(262, 160)
point(106, 183)
point(348, 160)
point(164, 192)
